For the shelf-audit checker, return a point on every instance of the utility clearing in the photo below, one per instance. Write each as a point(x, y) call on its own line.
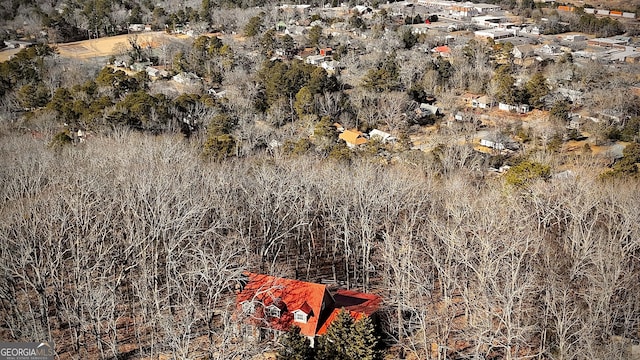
point(113, 45)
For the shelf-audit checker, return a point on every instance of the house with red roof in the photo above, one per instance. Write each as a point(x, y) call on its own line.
point(443, 50)
point(274, 303)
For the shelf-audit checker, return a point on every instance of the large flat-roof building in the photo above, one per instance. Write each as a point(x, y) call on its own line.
point(615, 41)
point(494, 34)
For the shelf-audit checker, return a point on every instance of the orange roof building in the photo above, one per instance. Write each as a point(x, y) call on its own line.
point(443, 50)
point(278, 303)
point(353, 137)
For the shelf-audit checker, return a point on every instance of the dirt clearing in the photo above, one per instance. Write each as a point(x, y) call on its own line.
point(113, 45)
point(7, 53)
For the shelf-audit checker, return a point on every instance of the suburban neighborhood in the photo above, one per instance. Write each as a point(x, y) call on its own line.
point(343, 39)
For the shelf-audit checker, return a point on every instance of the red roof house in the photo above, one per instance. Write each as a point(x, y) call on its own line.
point(326, 51)
point(443, 51)
point(278, 303)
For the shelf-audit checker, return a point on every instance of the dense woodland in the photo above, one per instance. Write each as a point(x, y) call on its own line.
point(130, 246)
point(130, 208)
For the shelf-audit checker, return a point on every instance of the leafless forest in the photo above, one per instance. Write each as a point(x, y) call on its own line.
point(129, 247)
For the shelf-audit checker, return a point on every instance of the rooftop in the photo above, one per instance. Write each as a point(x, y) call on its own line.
point(295, 296)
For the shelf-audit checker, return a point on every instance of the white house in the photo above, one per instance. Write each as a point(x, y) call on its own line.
point(136, 27)
point(492, 144)
point(186, 78)
point(315, 59)
point(418, 29)
point(330, 65)
point(522, 109)
point(383, 136)
point(426, 109)
point(482, 102)
point(523, 51)
point(549, 50)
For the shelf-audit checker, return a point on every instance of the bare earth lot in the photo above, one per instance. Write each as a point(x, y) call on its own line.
point(113, 45)
point(7, 53)
point(107, 46)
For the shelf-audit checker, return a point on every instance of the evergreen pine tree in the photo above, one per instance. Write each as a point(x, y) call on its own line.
point(365, 341)
point(537, 89)
point(385, 77)
point(336, 343)
point(295, 346)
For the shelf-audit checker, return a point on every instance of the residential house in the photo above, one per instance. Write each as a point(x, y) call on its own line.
point(353, 137)
point(385, 137)
point(326, 52)
point(529, 29)
point(361, 10)
point(492, 144)
point(467, 98)
point(574, 96)
point(549, 50)
point(418, 29)
point(524, 55)
point(140, 66)
point(315, 59)
point(220, 94)
point(463, 117)
point(575, 121)
point(295, 30)
point(136, 27)
point(499, 142)
point(152, 72)
point(443, 51)
point(427, 109)
point(521, 109)
point(187, 78)
point(273, 304)
point(15, 44)
point(523, 51)
point(285, 53)
point(483, 102)
point(330, 66)
point(179, 28)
